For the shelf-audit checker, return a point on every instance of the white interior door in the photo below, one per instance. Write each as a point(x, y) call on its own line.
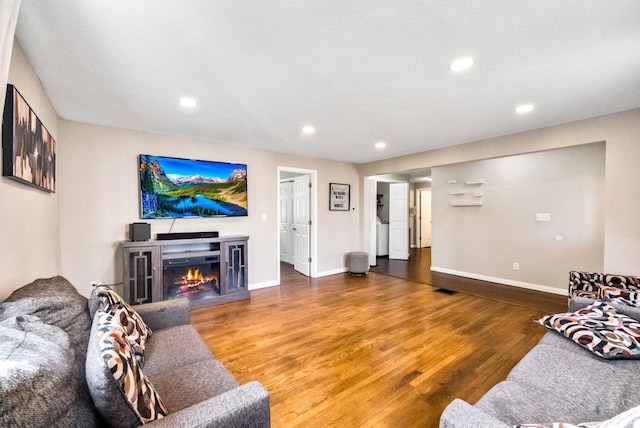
point(399, 221)
point(425, 218)
point(286, 222)
point(300, 224)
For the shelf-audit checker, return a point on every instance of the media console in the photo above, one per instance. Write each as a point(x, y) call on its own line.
point(207, 271)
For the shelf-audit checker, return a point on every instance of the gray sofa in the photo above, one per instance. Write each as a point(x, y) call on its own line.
point(557, 381)
point(47, 355)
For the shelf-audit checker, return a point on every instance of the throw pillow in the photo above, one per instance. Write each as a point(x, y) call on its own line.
point(620, 296)
point(120, 390)
point(137, 330)
point(600, 329)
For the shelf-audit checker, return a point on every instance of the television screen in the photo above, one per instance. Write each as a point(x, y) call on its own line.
point(175, 188)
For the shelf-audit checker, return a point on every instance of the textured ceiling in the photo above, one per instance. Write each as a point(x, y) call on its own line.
point(359, 71)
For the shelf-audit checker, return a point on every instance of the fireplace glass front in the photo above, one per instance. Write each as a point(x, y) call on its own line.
point(195, 278)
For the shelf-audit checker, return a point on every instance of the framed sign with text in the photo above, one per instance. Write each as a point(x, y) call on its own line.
point(339, 197)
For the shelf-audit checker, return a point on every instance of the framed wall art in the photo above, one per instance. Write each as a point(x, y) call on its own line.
point(339, 197)
point(28, 150)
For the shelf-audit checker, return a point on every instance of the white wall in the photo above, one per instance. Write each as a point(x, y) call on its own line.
point(620, 131)
point(98, 182)
point(29, 236)
point(486, 240)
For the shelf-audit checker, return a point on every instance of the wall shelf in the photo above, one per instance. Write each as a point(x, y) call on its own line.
point(474, 182)
point(457, 192)
point(465, 204)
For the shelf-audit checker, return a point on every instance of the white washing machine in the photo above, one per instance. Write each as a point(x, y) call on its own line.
point(382, 239)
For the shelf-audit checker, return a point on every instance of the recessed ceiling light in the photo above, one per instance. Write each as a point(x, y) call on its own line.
point(462, 64)
point(381, 145)
point(525, 108)
point(308, 130)
point(188, 102)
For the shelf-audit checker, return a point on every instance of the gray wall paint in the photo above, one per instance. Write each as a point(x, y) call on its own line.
point(486, 240)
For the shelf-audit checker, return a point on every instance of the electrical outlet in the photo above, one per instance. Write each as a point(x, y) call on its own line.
point(516, 266)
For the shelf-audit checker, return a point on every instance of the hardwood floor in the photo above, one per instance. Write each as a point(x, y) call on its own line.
point(368, 351)
point(418, 268)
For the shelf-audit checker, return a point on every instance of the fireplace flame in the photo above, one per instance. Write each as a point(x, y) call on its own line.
point(193, 278)
point(191, 282)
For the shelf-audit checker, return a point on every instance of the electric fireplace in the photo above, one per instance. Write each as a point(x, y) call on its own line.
point(196, 278)
point(205, 270)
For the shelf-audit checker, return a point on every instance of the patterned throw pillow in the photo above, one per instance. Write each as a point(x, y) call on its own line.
point(117, 353)
point(600, 329)
point(620, 296)
point(137, 331)
point(590, 284)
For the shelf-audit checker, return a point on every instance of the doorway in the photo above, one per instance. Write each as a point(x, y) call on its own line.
point(424, 218)
point(297, 220)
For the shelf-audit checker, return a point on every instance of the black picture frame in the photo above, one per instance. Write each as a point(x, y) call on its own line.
point(339, 197)
point(28, 149)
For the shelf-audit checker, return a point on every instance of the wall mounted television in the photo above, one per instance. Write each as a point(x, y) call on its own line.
point(178, 188)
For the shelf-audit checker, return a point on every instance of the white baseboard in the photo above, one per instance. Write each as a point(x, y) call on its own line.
point(529, 286)
point(263, 285)
point(330, 272)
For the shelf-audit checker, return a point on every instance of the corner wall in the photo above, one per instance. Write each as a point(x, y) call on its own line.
point(485, 241)
point(620, 131)
point(29, 235)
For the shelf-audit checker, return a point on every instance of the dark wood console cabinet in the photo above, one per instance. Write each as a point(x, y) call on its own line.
point(153, 270)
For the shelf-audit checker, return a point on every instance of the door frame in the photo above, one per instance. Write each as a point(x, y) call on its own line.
point(369, 197)
point(313, 211)
point(369, 223)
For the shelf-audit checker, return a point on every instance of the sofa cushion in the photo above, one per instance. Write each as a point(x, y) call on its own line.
point(123, 395)
point(49, 379)
point(627, 419)
point(599, 328)
point(193, 383)
point(573, 375)
point(173, 348)
point(513, 403)
point(39, 384)
point(560, 425)
point(56, 302)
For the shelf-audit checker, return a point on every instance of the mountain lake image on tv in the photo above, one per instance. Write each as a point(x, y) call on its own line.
point(176, 188)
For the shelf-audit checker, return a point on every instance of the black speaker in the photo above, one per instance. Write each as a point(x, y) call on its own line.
point(139, 231)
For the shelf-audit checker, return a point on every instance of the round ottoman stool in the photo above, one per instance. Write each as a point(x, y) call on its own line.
point(358, 262)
